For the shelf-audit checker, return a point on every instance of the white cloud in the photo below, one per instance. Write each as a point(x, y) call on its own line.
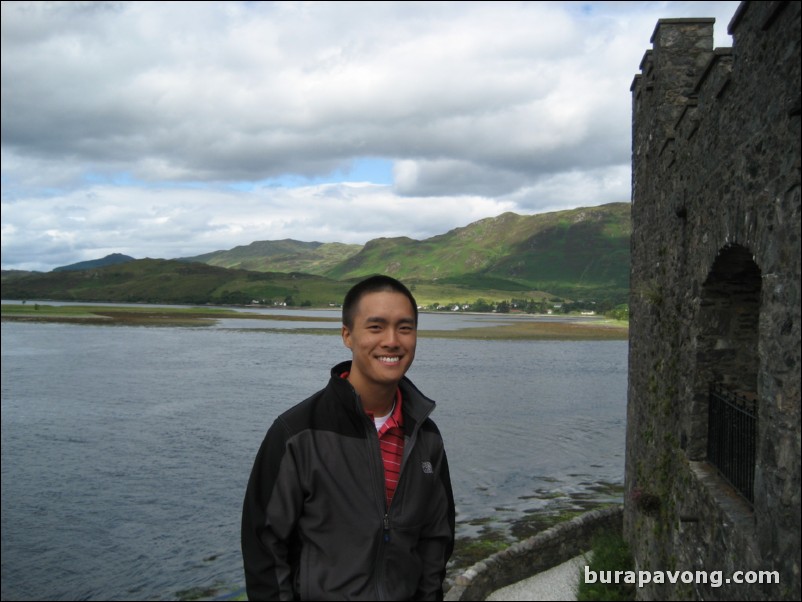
point(146, 117)
point(183, 223)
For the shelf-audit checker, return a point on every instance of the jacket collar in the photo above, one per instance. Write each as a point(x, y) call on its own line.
point(416, 406)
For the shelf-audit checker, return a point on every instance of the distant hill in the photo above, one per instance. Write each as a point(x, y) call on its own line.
point(113, 259)
point(565, 252)
point(580, 254)
point(16, 273)
point(562, 252)
point(174, 281)
point(282, 256)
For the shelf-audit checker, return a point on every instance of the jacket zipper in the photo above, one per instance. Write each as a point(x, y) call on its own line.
point(387, 527)
point(377, 469)
point(371, 429)
point(385, 536)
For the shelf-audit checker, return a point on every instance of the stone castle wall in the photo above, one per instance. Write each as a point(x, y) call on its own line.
point(715, 297)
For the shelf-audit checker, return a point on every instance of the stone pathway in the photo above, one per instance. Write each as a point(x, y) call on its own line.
point(558, 583)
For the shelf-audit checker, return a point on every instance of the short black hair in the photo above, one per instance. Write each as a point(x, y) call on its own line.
point(374, 284)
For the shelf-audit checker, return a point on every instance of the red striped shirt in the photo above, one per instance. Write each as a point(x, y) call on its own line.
point(391, 442)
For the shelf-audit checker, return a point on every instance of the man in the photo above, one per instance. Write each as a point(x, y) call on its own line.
point(350, 496)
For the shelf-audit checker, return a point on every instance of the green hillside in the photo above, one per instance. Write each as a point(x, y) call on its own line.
point(113, 259)
point(282, 256)
point(567, 253)
point(173, 281)
point(181, 282)
point(579, 247)
point(579, 255)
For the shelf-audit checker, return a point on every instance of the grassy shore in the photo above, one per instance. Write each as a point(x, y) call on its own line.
point(509, 327)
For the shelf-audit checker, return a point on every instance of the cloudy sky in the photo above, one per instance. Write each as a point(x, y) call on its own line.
point(162, 129)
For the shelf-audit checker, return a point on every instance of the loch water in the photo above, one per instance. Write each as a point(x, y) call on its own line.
point(126, 450)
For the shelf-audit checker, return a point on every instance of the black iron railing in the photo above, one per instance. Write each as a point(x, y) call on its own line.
point(732, 438)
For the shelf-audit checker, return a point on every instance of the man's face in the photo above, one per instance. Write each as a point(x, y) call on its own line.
point(383, 339)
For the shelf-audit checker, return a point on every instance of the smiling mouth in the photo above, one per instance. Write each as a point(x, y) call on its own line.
point(389, 359)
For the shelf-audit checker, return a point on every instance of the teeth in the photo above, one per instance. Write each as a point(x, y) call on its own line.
point(389, 360)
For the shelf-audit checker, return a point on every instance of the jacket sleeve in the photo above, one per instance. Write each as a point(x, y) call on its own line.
point(436, 542)
point(273, 502)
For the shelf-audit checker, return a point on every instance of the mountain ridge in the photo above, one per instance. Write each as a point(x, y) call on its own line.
point(576, 253)
point(113, 259)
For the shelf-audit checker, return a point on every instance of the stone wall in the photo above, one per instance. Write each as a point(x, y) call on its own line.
point(536, 554)
point(715, 297)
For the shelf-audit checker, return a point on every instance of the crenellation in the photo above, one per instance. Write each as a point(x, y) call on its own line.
point(688, 121)
point(716, 74)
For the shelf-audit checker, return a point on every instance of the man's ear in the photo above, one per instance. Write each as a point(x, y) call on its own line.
point(346, 333)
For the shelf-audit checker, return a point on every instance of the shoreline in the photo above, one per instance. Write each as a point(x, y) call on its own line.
point(512, 326)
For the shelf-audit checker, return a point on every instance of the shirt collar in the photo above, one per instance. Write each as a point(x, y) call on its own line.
point(397, 417)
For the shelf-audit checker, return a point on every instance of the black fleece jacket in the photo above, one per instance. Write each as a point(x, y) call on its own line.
point(315, 525)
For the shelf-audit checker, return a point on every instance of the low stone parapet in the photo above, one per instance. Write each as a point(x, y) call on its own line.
point(536, 554)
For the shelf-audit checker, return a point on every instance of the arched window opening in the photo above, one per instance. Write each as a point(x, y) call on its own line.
point(728, 363)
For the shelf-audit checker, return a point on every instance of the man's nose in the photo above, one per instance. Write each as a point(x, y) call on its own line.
point(390, 338)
